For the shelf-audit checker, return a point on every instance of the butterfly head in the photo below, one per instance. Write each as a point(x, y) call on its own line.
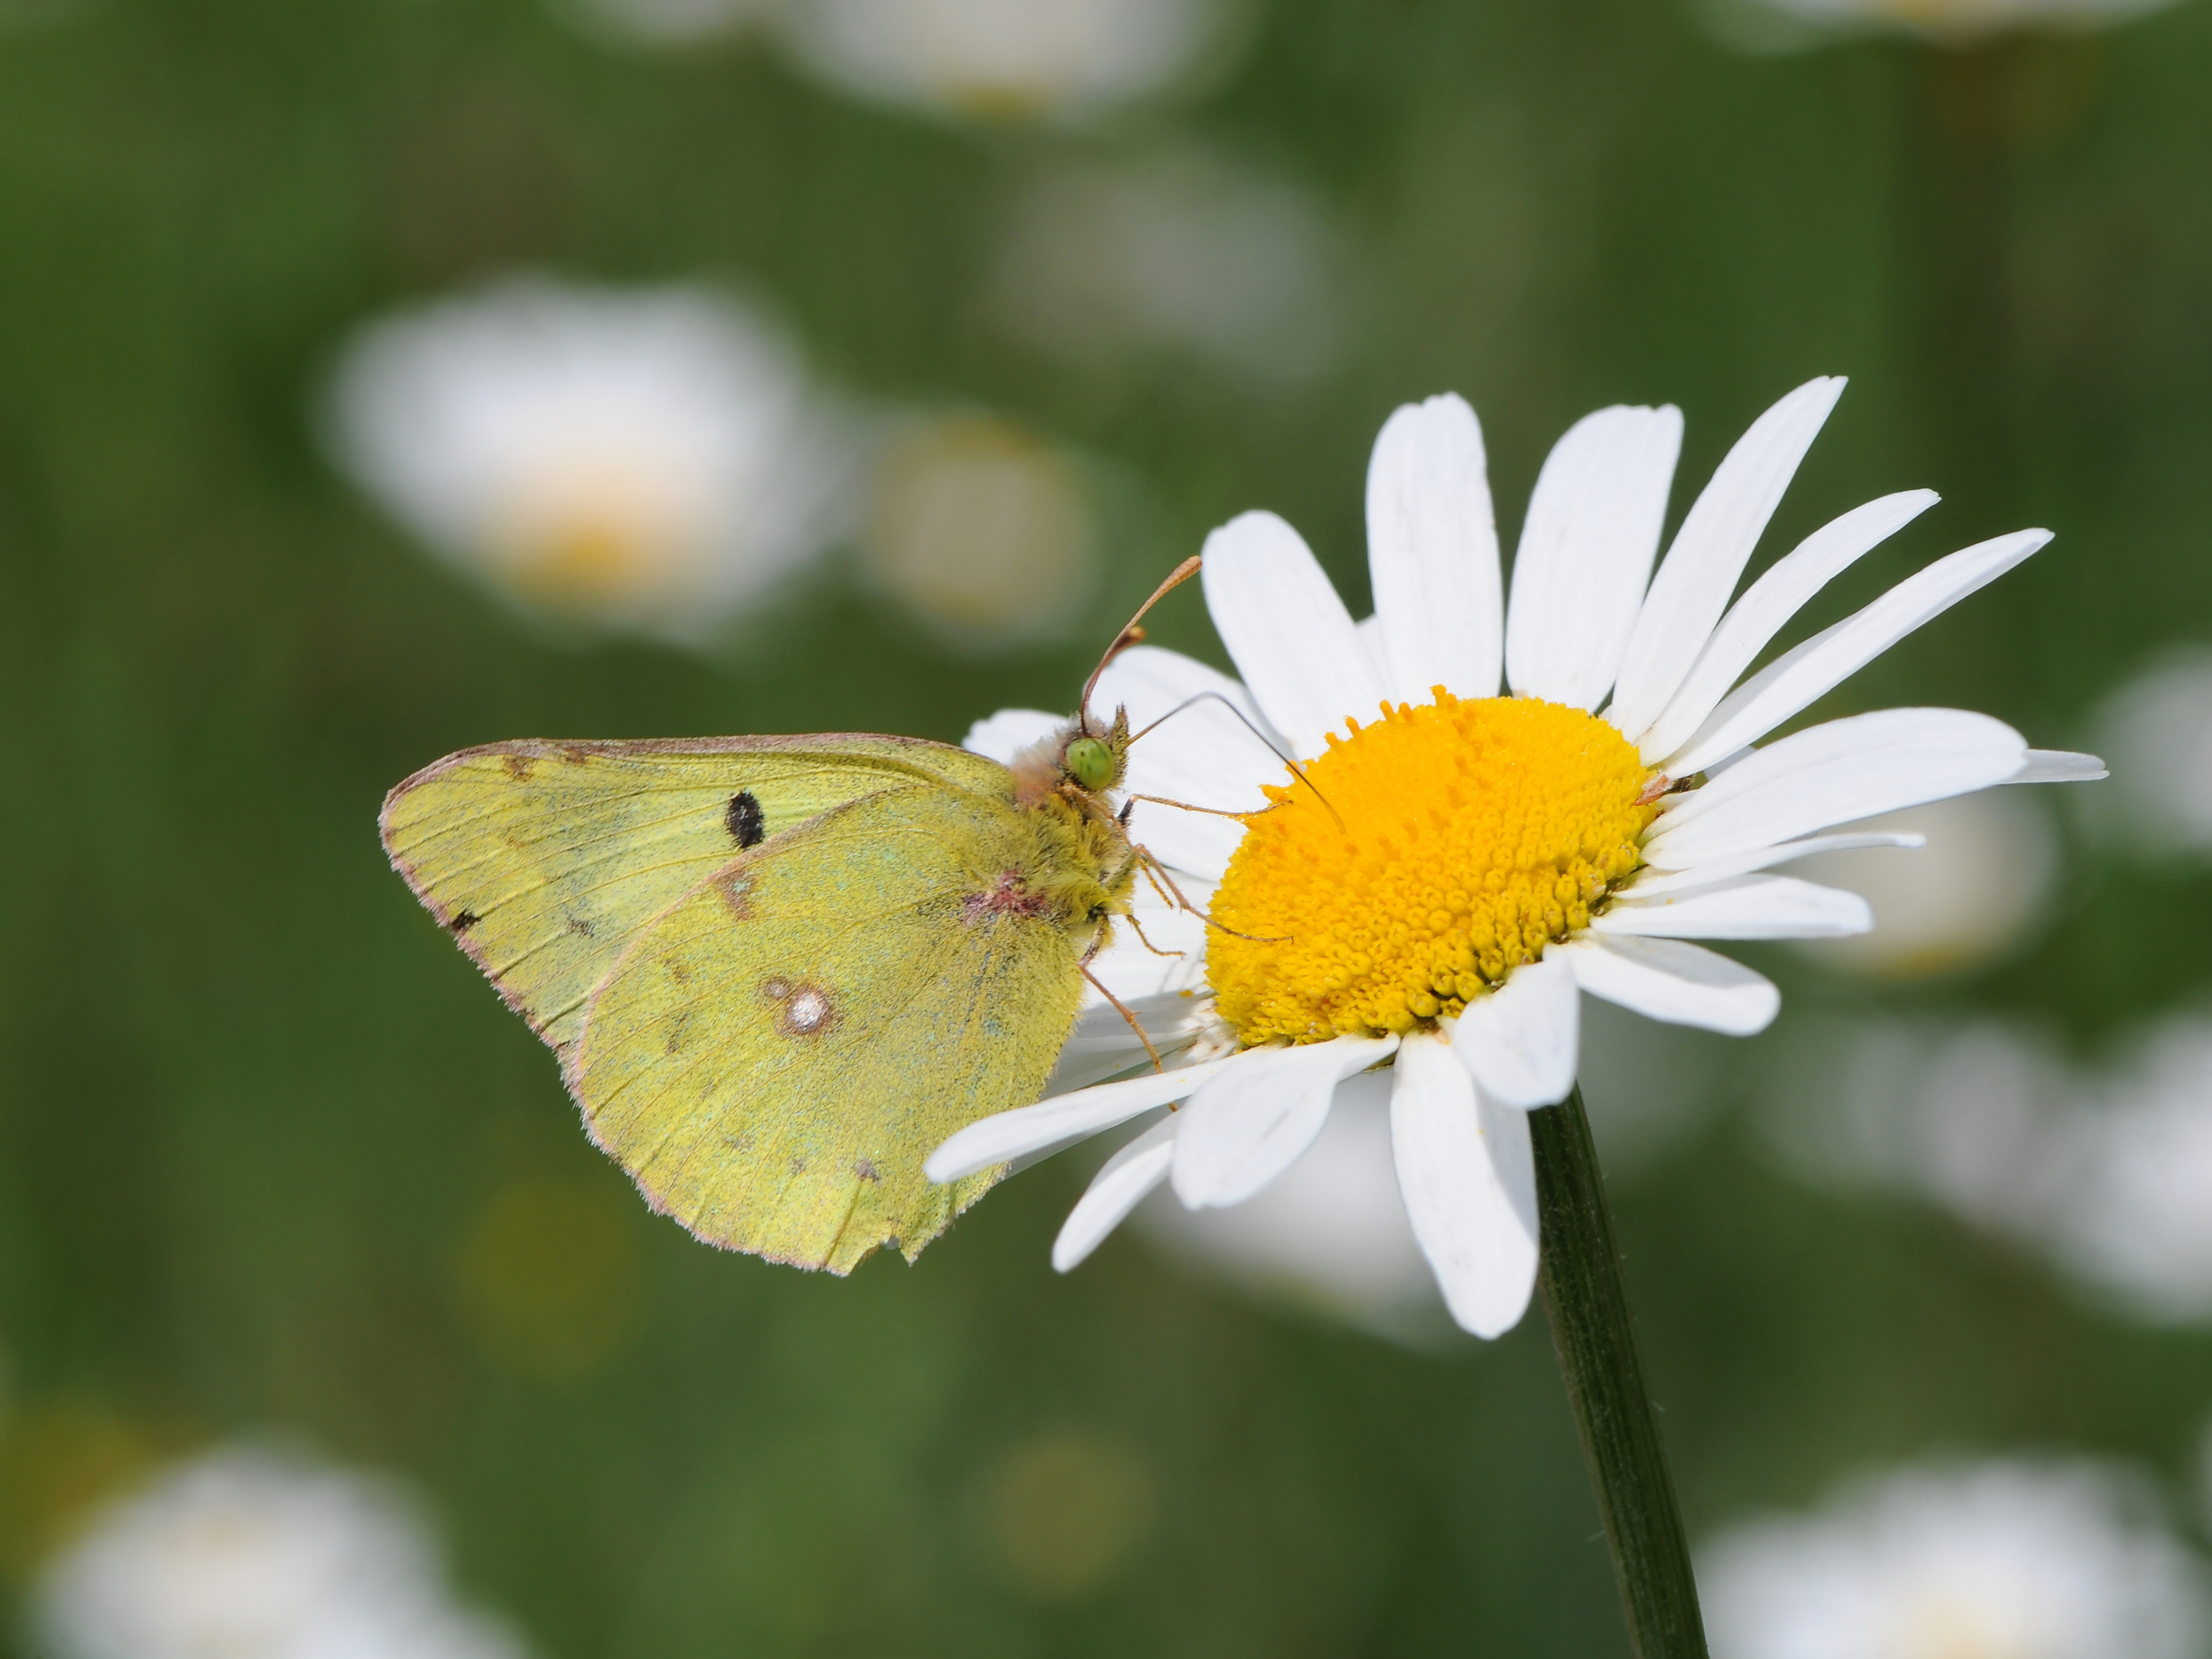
point(1094, 761)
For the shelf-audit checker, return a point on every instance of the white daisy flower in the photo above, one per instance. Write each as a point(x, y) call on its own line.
point(640, 462)
point(1450, 868)
point(247, 1552)
point(1006, 58)
point(2003, 1560)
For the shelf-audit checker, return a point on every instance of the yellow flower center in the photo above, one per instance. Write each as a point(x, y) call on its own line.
point(1424, 859)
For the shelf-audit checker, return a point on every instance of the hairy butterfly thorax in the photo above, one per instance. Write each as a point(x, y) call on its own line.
point(1086, 866)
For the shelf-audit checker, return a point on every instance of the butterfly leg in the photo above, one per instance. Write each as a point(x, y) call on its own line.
point(1121, 1010)
point(1138, 929)
point(1157, 873)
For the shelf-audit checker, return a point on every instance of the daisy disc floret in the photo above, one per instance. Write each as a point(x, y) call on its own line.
point(1420, 860)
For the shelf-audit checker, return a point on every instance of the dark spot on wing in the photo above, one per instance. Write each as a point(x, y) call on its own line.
point(747, 824)
point(866, 1168)
point(575, 754)
point(463, 920)
point(798, 1165)
point(518, 766)
point(578, 926)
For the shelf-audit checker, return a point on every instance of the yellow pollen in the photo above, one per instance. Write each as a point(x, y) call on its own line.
point(1428, 856)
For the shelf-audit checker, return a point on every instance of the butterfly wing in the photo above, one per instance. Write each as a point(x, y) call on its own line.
point(775, 1057)
point(545, 860)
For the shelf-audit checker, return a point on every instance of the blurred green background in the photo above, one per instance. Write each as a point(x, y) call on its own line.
point(272, 1154)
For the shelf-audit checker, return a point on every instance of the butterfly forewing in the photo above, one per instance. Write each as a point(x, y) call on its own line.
point(774, 1057)
point(545, 860)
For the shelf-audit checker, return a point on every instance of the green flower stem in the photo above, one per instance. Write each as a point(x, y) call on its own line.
point(1596, 1341)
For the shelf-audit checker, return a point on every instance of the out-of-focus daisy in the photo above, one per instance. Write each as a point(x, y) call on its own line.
point(627, 461)
point(1793, 23)
point(2135, 1217)
point(663, 23)
point(2158, 730)
point(2001, 1560)
point(1178, 252)
point(1981, 883)
point(1972, 1117)
point(983, 530)
point(1000, 59)
point(246, 1552)
point(2105, 1171)
point(1437, 886)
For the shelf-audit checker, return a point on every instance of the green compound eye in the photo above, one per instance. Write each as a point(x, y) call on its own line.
point(1090, 762)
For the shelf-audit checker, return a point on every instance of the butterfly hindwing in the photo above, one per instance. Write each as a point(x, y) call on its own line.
point(773, 1060)
point(545, 860)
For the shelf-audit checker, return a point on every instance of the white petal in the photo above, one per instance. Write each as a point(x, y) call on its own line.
point(1711, 550)
point(1651, 883)
point(1115, 1190)
point(1769, 603)
point(1002, 735)
point(1744, 907)
point(1795, 679)
point(1204, 755)
point(1287, 631)
point(1251, 1121)
point(1833, 773)
point(2059, 766)
point(1063, 1119)
point(1469, 1180)
point(1520, 1041)
point(1586, 552)
point(1665, 979)
point(1432, 552)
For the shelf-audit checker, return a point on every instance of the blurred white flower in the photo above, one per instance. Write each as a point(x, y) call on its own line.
point(2106, 1170)
point(2160, 725)
point(663, 23)
point(1178, 251)
point(984, 531)
point(2136, 1216)
point(1791, 24)
point(252, 1554)
point(640, 461)
point(2001, 1561)
point(1972, 1117)
point(1331, 1235)
point(1981, 884)
point(1004, 58)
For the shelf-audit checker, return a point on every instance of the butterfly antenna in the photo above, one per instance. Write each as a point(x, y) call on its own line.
point(1217, 697)
point(1129, 636)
